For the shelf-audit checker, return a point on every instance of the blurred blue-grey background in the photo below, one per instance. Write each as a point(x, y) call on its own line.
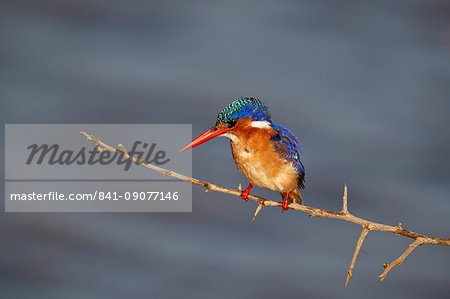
point(365, 85)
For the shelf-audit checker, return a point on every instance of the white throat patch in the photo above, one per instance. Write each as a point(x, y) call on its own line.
point(231, 136)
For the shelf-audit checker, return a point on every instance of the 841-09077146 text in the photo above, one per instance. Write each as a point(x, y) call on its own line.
point(97, 195)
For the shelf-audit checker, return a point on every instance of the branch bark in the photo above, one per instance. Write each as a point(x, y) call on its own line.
point(367, 225)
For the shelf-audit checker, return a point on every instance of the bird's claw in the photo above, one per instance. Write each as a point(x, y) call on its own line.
point(245, 194)
point(284, 206)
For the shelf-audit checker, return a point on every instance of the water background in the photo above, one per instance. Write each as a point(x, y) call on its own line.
point(364, 85)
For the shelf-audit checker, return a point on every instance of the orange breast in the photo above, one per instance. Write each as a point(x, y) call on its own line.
point(256, 157)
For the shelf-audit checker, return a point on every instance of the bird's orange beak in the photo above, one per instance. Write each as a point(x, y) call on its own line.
point(210, 134)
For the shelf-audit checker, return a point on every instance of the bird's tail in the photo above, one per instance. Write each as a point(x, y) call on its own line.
point(294, 196)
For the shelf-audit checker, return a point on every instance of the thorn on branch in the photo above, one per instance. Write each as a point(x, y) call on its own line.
point(97, 149)
point(123, 151)
point(344, 201)
point(315, 213)
point(258, 208)
point(363, 235)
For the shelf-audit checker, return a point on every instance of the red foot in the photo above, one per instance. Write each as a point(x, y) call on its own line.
point(284, 206)
point(246, 192)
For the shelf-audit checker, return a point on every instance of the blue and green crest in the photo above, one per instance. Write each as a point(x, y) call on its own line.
point(244, 107)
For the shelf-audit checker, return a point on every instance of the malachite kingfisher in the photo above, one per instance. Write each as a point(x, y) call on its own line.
point(265, 152)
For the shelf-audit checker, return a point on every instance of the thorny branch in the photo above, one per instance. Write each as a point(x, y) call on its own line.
point(367, 225)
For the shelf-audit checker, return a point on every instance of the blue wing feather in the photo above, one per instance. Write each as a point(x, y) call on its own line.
point(289, 147)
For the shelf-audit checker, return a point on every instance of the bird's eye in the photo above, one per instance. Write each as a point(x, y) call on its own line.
point(231, 123)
